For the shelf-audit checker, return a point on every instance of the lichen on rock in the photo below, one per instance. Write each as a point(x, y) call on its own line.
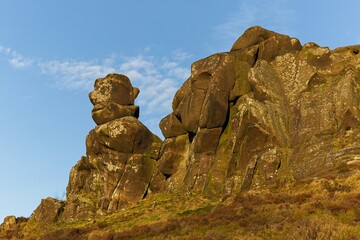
point(121, 154)
point(267, 113)
point(282, 110)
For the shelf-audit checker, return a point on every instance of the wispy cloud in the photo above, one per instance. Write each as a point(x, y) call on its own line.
point(4, 50)
point(180, 55)
point(72, 74)
point(271, 14)
point(19, 61)
point(157, 77)
point(15, 59)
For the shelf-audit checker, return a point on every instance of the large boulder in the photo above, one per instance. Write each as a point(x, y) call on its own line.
point(171, 126)
point(9, 223)
point(113, 97)
point(49, 210)
point(268, 44)
point(124, 135)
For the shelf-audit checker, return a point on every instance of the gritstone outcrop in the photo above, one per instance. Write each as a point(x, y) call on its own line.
point(120, 154)
point(265, 114)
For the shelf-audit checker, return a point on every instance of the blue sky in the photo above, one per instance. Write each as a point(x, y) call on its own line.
point(52, 51)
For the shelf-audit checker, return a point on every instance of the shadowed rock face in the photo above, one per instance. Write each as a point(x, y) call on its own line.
point(268, 112)
point(265, 113)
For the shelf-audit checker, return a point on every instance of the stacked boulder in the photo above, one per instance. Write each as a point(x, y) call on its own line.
point(121, 154)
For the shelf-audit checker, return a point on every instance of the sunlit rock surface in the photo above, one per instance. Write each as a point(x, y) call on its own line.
point(268, 113)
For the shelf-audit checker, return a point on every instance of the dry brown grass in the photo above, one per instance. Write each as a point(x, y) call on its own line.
point(318, 209)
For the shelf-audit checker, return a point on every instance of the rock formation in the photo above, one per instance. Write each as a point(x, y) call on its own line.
point(267, 113)
point(121, 154)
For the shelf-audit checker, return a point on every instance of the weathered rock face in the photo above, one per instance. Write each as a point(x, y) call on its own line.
point(120, 157)
point(9, 223)
point(267, 112)
point(121, 154)
point(12, 227)
point(49, 210)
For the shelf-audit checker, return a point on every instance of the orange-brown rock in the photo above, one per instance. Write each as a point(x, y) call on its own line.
point(49, 210)
point(172, 162)
point(9, 223)
point(268, 112)
point(203, 100)
point(267, 44)
point(113, 97)
point(12, 228)
point(171, 126)
point(121, 154)
point(124, 135)
point(104, 113)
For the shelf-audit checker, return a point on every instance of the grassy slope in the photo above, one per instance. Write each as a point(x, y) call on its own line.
point(320, 209)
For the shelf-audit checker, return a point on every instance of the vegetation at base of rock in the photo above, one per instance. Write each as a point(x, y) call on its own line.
point(326, 208)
